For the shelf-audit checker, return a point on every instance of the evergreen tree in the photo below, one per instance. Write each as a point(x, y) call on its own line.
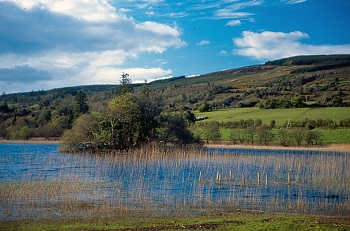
point(80, 106)
point(125, 84)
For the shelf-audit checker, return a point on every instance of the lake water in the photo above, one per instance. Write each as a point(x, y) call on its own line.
point(39, 182)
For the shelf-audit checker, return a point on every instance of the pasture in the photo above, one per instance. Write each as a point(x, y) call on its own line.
point(329, 136)
point(279, 115)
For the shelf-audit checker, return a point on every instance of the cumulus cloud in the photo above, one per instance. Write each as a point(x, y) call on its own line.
point(39, 29)
point(76, 40)
point(274, 45)
point(87, 10)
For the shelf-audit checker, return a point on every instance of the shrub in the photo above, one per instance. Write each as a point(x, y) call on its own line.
point(205, 107)
point(265, 135)
point(313, 137)
point(345, 123)
point(284, 137)
point(212, 131)
point(298, 135)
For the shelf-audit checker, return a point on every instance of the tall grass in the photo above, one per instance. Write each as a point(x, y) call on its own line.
point(161, 181)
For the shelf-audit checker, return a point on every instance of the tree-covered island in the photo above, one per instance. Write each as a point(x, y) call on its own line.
point(129, 120)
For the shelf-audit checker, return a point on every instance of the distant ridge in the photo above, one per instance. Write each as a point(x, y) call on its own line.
point(343, 59)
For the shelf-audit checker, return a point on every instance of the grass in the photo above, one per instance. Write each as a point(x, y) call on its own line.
point(338, 136)
point(279, 115)
point(226, 221)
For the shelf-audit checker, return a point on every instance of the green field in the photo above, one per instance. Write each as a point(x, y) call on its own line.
point(329, 136)
point(336, 136)
point(279, 115)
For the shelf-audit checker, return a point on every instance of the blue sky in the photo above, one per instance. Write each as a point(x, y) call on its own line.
point(47, 44)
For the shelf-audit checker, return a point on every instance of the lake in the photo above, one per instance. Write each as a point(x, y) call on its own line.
point(38, 182)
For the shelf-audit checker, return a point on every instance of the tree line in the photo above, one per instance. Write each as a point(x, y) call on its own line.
point(263, 135)
point(45, 119)
point(305, 123)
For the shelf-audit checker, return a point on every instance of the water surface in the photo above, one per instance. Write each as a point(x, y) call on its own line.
point(39, 182)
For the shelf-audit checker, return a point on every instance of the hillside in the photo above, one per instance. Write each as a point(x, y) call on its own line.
point(316, 81)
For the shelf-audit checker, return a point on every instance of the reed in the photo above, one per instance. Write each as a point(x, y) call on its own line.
point(153, 180)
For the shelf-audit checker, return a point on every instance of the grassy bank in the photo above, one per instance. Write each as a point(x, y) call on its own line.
point(227, 221)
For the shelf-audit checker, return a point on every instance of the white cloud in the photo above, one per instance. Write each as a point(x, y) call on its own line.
point(227, 13)
point(274, 45)
point(90, 10)
point(233, 23)
point(251, 19)
point(149, 3)
point(232, 10)
point(294, 1)
point(203, 43)
point(223, 52)
point(54, 70)
point(178, 15)
point(240, 5)
point(150, 13)
point(206, 6)
point(78, 42)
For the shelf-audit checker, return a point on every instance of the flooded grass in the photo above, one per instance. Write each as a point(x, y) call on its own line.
point(179, 182)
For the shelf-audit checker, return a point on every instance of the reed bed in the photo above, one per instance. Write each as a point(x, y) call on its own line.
point(171, 181)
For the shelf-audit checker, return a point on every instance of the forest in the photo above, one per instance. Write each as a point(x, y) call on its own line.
point(296, 82)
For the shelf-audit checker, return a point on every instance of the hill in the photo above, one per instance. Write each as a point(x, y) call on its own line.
point(316, 81)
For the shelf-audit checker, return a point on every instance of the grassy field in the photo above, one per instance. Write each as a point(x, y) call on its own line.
point(329, 136)
point(279, 115)
point(229, 221)
point(337, 136)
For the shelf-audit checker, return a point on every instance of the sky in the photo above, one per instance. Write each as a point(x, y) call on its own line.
point(46, 44)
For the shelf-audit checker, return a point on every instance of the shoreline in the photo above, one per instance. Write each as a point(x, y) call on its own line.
point(329, 148)
point(31, 141)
